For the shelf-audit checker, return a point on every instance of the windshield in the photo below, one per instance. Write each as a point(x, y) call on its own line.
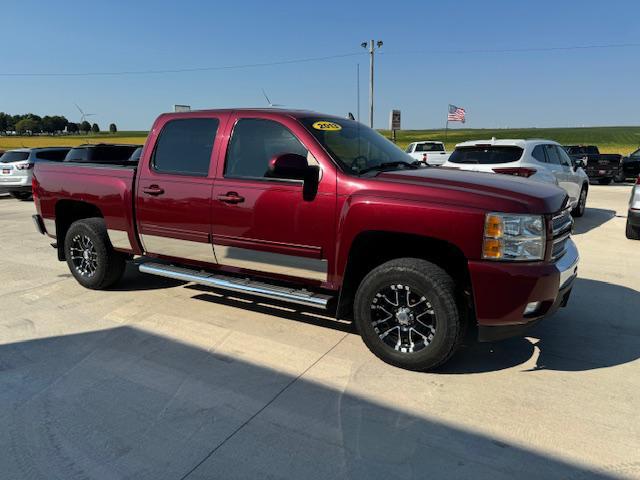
point(10, 157)
point(635, 154)
point(429, 147)
point(486, 154)
point(355, 147)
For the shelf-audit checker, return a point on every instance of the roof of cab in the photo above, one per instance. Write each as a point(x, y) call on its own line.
point(289, 112)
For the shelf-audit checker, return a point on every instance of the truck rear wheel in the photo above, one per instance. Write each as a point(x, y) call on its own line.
point(406, 313)
point(90, 256)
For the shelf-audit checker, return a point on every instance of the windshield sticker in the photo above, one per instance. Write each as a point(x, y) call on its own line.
point(327, 126)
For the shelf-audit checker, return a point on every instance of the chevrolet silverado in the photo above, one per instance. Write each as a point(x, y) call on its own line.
point(323, 212)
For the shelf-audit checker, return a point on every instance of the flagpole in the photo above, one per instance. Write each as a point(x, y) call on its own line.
point(446, 129)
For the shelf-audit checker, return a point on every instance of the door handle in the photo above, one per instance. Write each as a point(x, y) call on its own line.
point(153, 190)
point(231, 197)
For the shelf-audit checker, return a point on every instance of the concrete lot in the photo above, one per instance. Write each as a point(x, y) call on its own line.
point(162, 380)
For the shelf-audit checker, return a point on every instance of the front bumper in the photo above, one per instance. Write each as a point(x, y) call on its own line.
point(503, 290)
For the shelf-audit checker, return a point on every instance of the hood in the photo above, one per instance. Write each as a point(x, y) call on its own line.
point(487, 191)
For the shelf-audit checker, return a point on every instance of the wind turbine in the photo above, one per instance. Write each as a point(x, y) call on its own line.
point(269, 101)
point(83, 116)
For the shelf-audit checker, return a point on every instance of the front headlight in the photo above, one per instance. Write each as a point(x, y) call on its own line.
point(513, 237)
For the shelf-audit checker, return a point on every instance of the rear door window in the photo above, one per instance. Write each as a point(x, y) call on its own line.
point(184, 146)
point(552, 154)
point(538, 154)
point(486, 154)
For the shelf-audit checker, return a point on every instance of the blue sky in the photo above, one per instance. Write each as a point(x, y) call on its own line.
point(416, 70)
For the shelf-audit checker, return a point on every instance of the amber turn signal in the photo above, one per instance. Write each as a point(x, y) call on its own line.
point(494, 226)
point(492, 248)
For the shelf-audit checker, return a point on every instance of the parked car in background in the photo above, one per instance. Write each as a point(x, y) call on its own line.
point(600, 167)
point(633, 215)
point(539, 160)
point(301, 207)
point(629, 167)
point(103, 153)
point(16, 168)
point(430, 152)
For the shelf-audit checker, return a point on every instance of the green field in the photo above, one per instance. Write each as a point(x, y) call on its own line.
point(610, 139)
point(71, 140)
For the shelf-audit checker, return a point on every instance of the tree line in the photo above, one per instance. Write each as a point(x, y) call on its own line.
point(29, 124)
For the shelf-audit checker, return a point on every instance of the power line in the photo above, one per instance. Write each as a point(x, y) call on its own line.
point(514, 50)
point(177, 70)
point(315, 59)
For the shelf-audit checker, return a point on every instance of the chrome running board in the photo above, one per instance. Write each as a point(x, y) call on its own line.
point(242, 285)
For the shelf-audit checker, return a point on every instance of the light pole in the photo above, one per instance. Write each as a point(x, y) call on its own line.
point(373, 46)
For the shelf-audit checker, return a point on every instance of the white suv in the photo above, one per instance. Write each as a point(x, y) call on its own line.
point(16, 168)
point(539, 160)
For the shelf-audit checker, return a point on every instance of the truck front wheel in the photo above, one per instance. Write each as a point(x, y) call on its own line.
point(406, 313)
point(90, 256)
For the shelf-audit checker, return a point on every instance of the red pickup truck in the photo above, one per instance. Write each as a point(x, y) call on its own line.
point(321, 211)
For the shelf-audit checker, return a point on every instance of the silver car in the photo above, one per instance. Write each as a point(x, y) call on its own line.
point(16, 168)
point(633, 216)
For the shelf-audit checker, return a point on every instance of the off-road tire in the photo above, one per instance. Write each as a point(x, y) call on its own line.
point(109, 264)
point(431, 282)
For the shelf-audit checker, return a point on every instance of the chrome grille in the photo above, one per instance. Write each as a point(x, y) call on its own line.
point(561, 225)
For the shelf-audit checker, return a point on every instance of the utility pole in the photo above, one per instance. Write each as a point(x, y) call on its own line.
point(373, 46)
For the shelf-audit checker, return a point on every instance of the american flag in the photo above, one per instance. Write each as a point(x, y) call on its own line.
point(456, 114)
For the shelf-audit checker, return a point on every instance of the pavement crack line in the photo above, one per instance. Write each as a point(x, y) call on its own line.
point(264, 407)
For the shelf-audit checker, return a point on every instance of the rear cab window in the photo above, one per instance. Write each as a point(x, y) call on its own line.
point(429, 147)
point(184, 147)
point(486, 154)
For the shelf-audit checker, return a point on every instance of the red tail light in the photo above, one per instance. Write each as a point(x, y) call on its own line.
point(517, 171)
point(34, 188)
point(638, 180)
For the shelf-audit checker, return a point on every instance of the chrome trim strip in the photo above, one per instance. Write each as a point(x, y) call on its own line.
point(291, 265)
point(567, 265)
point(178, 248)
point(119, 239)
point(50, 226)
point(301, 297)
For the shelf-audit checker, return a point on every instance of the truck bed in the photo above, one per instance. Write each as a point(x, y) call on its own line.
point(110, 188)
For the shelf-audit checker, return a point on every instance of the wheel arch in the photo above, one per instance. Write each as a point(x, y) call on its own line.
point(372, 248)
point(67, 212)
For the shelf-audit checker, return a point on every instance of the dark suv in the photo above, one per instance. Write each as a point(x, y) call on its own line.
point(101, 153)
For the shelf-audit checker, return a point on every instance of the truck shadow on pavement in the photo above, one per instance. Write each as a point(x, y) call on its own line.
point(592, 218)
point(597, 329)
point(289, 311)
point(126, 403)
point(134, 280)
